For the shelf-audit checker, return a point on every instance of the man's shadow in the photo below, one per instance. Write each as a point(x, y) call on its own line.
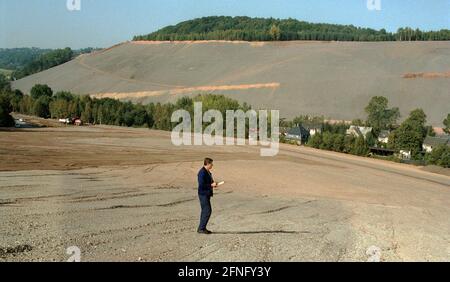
point(261, 232)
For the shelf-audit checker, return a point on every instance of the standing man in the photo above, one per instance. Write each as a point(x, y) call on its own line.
point(205, 192)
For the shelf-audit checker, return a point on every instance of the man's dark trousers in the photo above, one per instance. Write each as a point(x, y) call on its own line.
point(205, 203)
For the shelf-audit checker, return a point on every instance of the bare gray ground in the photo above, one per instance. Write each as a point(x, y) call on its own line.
point(335, 79)
point(129, 195)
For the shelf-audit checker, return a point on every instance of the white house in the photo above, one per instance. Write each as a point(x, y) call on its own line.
point(432, 142)
point(358, 131)
point(314, 129)
point(405, 155)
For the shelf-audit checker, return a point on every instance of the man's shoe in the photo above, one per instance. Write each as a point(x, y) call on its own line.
point(205, 231)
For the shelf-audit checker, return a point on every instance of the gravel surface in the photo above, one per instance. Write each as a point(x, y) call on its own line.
point(122, 194)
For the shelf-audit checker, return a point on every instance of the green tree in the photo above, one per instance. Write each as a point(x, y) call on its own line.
point(41, 107)
point(150, 109)
point(140, 116)
point(275, 32)
point(86, 115)
point(64, 95)
point(185, 103)
point(128, 118)
point(379, 116)
point(5, 85)
point(41, 90)
point(306, 120)
point(327, 141)
point(340, 127)
point(358, 122)
point(338, 143)
point(447, 124)
point(349, 143)
point(26, 105)
point(429, 129)
point(99, 117)
point(59, 108)
point(315, 141)
point(439, 156)
point(371, 140)
point(163, 114)
point(360, 147)
point(16, 98)
point(410, 134)
point(6, 119)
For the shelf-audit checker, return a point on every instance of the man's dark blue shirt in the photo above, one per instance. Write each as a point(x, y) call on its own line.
point(204, 182)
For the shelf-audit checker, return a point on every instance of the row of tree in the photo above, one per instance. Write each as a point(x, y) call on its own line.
point(409, 135)
point(340, 142)
point(42, 102)
point(263, 29)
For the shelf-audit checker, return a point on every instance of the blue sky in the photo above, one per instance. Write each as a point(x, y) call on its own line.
point(102, 23)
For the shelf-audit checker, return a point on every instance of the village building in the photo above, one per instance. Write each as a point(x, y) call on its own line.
point(404, 155)
point(431, 142)
point(359, 131)
point(298, 134)
point(315, 128)
point(383, 136)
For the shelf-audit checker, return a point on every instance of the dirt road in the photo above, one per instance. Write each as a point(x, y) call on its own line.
point(123, 194)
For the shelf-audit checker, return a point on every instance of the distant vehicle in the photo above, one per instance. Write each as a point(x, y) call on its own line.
point(64, 120)
point(75, 121)
point(298, 134)
point(20, 123)
point(78, 122)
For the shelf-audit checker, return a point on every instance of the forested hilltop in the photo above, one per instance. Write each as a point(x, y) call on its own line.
point(262, 29)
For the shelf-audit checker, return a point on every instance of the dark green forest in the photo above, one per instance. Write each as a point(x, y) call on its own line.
point(27, 61)
point(15, 58)
point(262, 29)
point(44, 61)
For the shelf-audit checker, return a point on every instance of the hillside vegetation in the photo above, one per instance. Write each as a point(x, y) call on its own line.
point(45, 61)
point(261, 29)
point(15, 58)
point(20, 62)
